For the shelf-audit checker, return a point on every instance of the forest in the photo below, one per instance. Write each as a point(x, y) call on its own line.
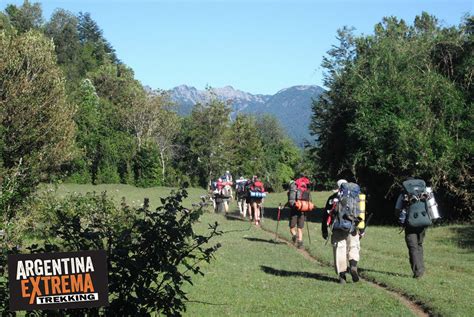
point(398, 104)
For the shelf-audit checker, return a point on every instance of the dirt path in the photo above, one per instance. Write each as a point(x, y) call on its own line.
point(416, 308)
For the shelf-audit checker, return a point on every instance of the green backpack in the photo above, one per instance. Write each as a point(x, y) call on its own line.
point(417, 208)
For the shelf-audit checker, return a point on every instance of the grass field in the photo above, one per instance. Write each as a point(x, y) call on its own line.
point(252, 275)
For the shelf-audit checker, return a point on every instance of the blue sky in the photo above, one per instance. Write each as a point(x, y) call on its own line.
point(259, 46)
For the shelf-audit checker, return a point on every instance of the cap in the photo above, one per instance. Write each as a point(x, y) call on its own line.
point(340, 182)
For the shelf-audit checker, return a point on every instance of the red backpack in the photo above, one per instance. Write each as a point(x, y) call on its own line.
point(302, 190)
point(257, 187)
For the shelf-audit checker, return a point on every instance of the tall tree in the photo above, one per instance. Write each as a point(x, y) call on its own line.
point(37, 129)
point(281, 156)
point(245, 146)
point(209, 125)
point(63, 29)
point(25, 17)
point(91, 36)
point(393, 110)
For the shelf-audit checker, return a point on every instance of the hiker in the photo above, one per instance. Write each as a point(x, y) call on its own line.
point(213, 191)
point(298, 194)
point(256, 195)
point(342, 215)
point(241, 193)
point(414, 211)
point(227, 176)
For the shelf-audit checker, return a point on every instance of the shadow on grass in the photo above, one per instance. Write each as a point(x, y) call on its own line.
point(206, 303)
point(234, 217)
point(312, 216)
point(316, 276)
point(464, 237)
point(362, 270)
point(264, 240)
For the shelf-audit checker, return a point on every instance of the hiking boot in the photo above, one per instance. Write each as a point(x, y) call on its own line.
point(342, 278)
point(354, 274)
point(418, 275)
point(299, 244)
point(293, 238)
point(353, 270)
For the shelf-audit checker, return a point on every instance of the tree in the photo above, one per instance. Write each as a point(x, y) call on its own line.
point(63, 29)
point(208, 128)
point(166, 131)
point(91, 35)
point(26, 17)
point(37, 129)
point(281, 156)
point(83, 168)
point(393, 110)
point(245, 146)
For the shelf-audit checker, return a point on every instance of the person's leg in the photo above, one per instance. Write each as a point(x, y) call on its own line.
point(256, 211)
point(300, 217)
point(416, 257)
point(421, 263)
point(293, 221)
point(339, 246)
point(353, 251)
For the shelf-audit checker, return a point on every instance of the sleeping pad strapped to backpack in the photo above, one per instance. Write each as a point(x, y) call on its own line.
point(257, 190)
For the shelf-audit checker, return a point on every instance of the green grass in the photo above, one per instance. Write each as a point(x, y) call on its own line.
point(134, 196)
point(446, 289)
point(253, 276)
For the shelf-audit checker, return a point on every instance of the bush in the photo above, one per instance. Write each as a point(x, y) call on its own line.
point(150, 253)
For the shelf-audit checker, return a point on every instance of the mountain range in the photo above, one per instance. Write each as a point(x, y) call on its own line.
point(291, 106)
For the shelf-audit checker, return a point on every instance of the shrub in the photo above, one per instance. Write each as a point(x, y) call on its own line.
point(150, 253)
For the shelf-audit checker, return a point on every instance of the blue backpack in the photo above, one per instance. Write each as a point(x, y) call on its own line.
point(348, 208)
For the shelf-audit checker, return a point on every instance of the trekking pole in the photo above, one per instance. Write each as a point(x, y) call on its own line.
point(278, 221)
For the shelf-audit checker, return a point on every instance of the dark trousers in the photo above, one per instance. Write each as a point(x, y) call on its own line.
point(414, 238)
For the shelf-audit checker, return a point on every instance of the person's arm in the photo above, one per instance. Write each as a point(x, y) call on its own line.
point(398, 205)
point(399, 208)
point(326, 212)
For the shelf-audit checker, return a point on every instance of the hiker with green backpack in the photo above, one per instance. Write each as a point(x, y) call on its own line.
point(415, 209)
point(344, 216)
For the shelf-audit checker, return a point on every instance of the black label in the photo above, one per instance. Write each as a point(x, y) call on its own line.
point(58, 280)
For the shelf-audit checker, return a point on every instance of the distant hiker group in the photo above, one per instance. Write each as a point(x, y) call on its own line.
point(250, 194)
point(344, 218)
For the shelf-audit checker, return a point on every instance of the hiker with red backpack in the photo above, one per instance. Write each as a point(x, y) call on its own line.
point(256, 194)
point(345, 211)
point(299, 200)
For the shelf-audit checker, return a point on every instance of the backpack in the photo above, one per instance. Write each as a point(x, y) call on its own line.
point(240, 189)
point(302, 191)
point(257, 187)
point(348, 208)
point(415, 197)
point(257, 190)
point(225, 192)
